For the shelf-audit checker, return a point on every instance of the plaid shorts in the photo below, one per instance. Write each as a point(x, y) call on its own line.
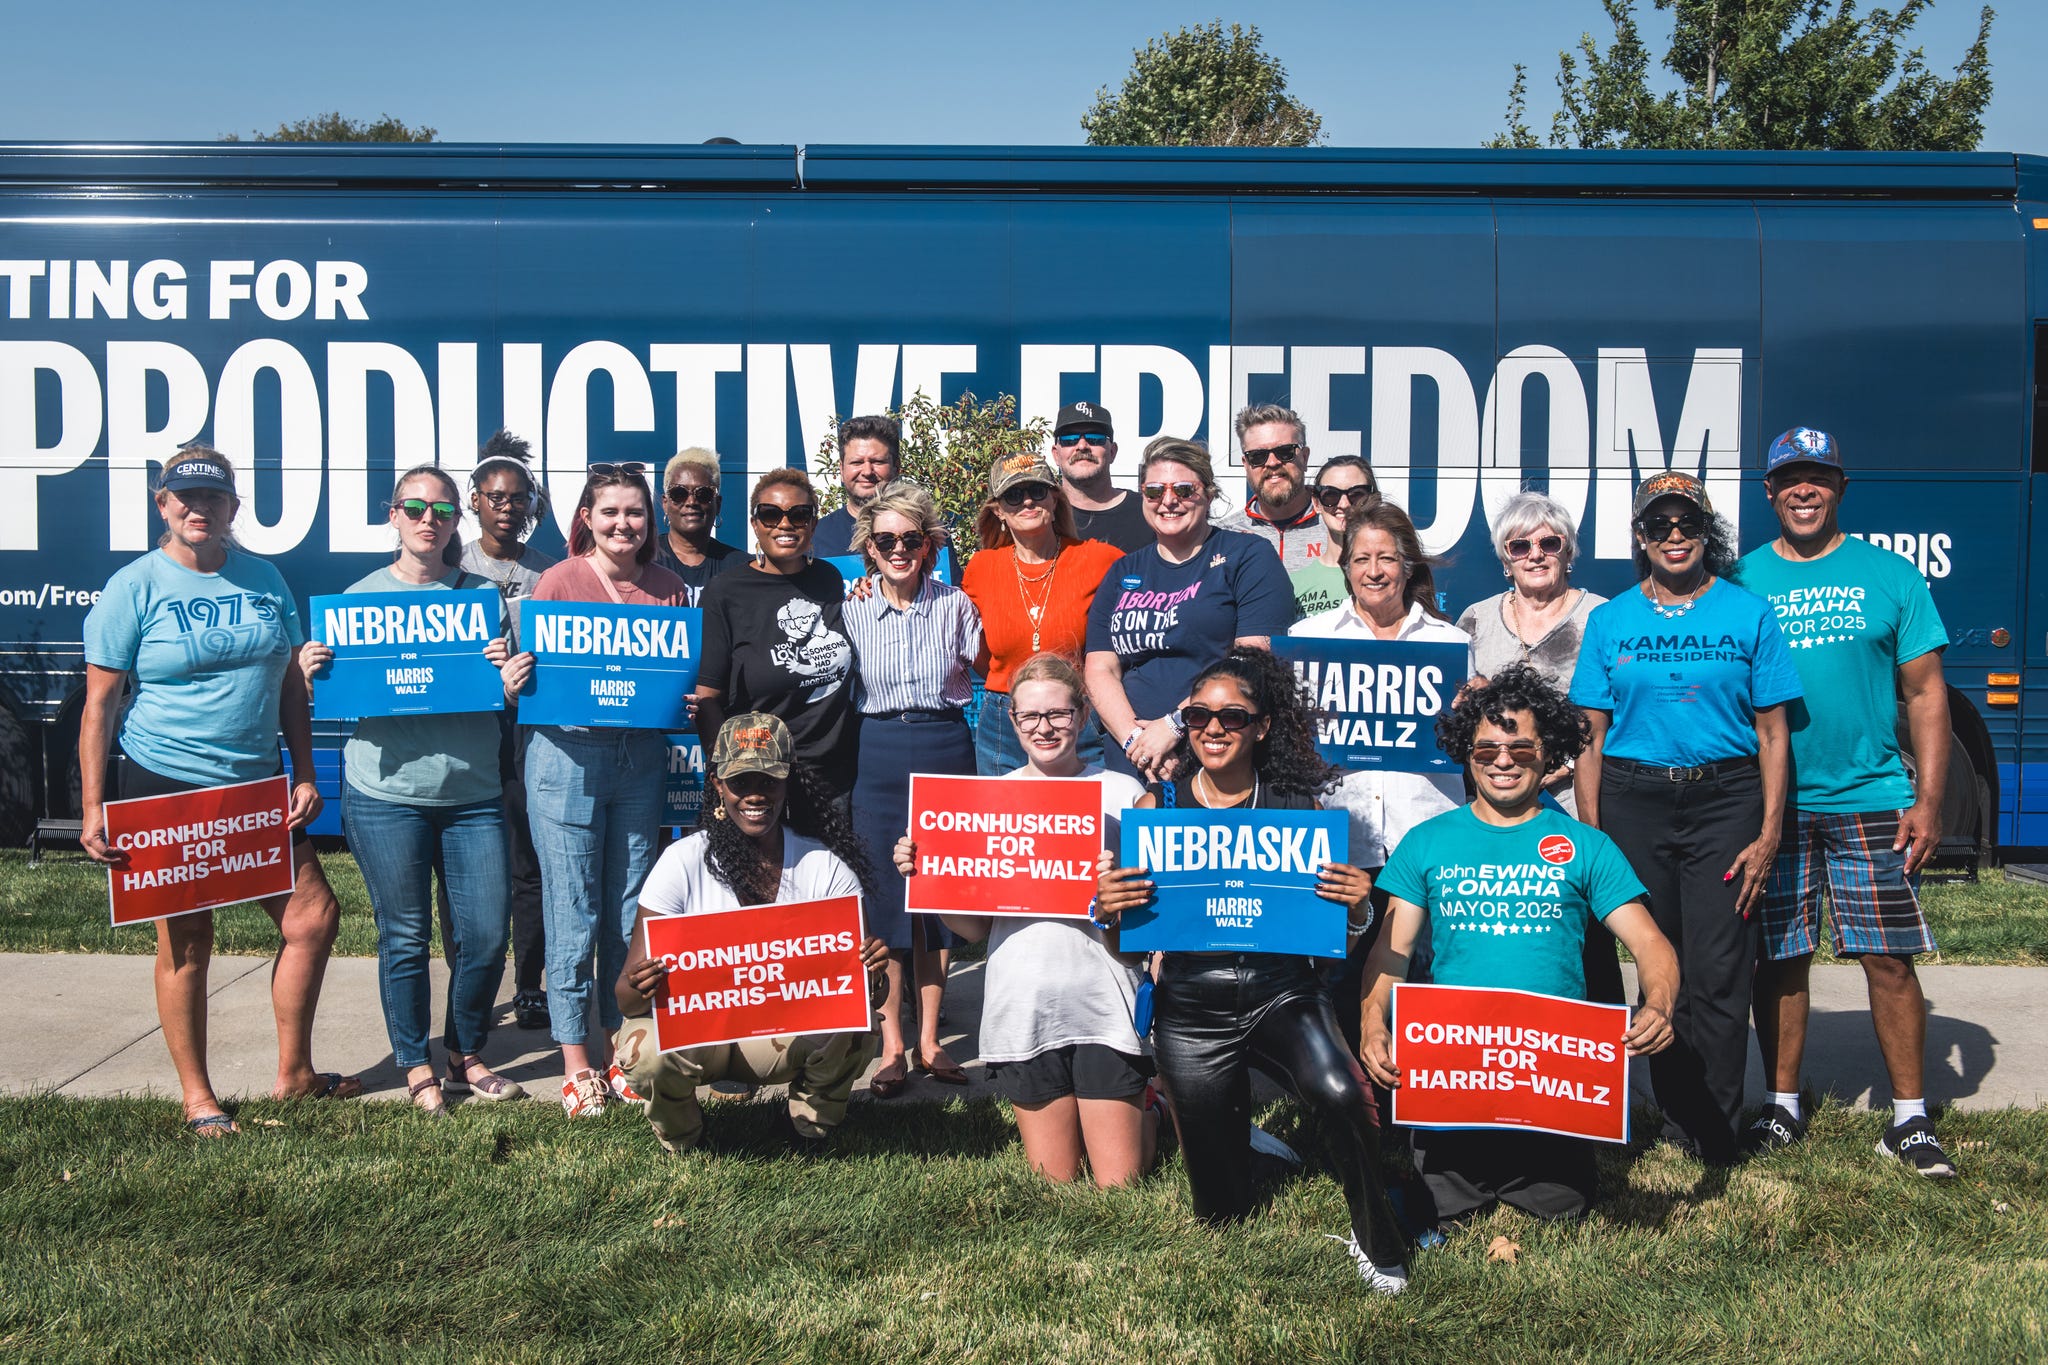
point(1873, 907)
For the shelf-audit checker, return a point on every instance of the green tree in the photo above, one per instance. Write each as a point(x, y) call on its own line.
point(947, 449)
point(1765, 75)
point(1205, 86)
point(334, 127)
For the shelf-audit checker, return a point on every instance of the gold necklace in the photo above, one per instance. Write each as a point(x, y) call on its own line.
point(1044, 578)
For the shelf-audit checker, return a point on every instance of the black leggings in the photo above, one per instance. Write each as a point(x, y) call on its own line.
point(1219, 1016)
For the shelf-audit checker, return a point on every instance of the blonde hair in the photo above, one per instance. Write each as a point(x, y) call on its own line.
point(1051, 668)
point(160, 492)
point(693, 457)
point(912, 502)
point(1177, 450)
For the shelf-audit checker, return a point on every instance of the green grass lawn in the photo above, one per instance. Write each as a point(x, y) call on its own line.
point(357, 1231)
point(60, 906)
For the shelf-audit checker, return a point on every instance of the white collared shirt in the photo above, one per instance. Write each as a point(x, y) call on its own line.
point(1384, 806)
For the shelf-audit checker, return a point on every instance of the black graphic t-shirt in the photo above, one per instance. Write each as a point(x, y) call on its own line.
point(777, 643)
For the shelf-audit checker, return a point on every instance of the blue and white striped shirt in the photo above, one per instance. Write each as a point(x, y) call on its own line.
point(915, 658)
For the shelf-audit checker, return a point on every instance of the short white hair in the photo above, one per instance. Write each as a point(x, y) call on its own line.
point(694, 457)
point(1525, 514)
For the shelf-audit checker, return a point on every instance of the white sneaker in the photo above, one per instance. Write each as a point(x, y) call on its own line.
point(1381, 1279)
point(1265, 1143)
point(583, 1095)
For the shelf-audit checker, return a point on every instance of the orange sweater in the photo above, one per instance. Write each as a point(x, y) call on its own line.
point(1066, 589)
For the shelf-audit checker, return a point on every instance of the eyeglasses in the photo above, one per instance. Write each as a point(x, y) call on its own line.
point(885, 542)
point(1067, 440)
point(1519, 547)
point(1182, 492)
point(418, 508)
point(1524, 752)
point(1359, 492)
point(1231, 718)
point(1017, 495)
point(1058, 719)
point(681, 495)
point(768, 514)
point(1260, 456)
point(632, 469)
point(1657, 530)
point(501, 501)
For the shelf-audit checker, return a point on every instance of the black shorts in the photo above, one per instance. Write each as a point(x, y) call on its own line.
point(1087, 1071)
point(131, 780)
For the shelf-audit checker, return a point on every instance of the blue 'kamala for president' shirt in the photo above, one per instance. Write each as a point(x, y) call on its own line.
point(1684, 691)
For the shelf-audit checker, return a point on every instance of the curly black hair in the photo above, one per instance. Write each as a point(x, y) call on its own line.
point(1560, 726)
point(1286, 759)
point(1719, 555)
point(811, 809)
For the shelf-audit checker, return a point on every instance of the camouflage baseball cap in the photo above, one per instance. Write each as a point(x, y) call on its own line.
point(1670, 484)
point(1026, 467)
point(752, 743)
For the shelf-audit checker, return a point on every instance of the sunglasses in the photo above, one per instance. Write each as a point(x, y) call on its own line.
point(1524, 752)
point(1519, 547)
point(1231, 718)
point(1067, 440)
point(683, 496)
point(632, 469)
point(1058, 719)
point(768, 514)
point(1261, 456)
point(1182, 492)
point(1330, 498)
point(885, 542)
point(1657, 530)
point(418, 508)
point(1019, 494)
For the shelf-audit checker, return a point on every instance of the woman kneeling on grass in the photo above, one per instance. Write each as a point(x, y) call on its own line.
point(1056, 1019)
point(775, 835)
point(1250, 745)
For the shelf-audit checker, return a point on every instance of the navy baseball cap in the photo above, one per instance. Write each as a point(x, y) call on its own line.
point(1084, 417)
point(197, 469)
point(1803, 445)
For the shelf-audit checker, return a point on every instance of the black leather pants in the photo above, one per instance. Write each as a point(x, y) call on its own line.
point(1216, 1017)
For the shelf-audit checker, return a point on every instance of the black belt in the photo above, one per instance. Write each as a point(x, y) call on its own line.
point(1699, 773)
point(920, 715)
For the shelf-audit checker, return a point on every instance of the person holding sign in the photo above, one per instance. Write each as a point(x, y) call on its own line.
point(915, 640)
point(594, 796)
point(1057, 1012)
point(202, 635)
point(1685, 681)
point(775, 834)
point(424, 792)
point(1508, 891)
point(1250, 744)
point(1166, 612)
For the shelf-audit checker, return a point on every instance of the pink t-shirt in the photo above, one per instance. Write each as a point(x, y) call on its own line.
point(577, 580)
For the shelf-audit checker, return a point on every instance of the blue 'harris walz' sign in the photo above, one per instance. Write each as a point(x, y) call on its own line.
point(1377, 701)
point(1235, 881)
point(596, 664)
point(406, 654)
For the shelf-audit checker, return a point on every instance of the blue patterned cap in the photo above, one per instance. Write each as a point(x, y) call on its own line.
point(1804, 445)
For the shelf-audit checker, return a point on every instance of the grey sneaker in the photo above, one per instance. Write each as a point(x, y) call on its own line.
point(1914, 1143)
point(1266, 1144)
point(1381, 1279)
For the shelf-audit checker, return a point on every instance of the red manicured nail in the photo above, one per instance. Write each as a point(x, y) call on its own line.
point(1729, 877)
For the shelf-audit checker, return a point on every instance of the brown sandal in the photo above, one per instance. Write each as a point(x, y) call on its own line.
point(418, 1088)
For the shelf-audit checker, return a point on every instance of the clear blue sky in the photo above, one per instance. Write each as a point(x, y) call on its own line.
point(968, 71)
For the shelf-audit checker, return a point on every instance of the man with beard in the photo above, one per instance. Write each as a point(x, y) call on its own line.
point(870, 458)
point(1279, 510)
point(1084, 447)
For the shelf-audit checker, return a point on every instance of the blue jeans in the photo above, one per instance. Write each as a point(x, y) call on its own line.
point(997, 750)
point(594, 801)
point(397, 846)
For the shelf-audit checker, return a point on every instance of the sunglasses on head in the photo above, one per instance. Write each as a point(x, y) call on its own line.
point(1069, 439)
point(1258, 457)
point(1332, 498)
point(768, 514)
point(1657, 530)
point(885, 542)
point(1520, 547)
point(418, 508)
point(1182, 492)
point(1019, 494)
point(1525, 752)
point(1231, 718)
point(632, 469)
point(683, 495)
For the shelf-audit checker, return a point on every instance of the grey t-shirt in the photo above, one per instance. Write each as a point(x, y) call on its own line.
point(1495, 644)
point(514, 578)
point(1051, 982)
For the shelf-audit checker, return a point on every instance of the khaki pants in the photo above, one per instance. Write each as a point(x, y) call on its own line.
point(819, 1068)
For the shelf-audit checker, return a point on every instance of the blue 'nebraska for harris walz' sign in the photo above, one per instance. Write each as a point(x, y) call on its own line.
point(603, 665)
point(1235, 881)
point(1377, 701)
point(406, 654)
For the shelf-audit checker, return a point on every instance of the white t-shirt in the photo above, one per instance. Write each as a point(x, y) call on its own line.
point(682, 882)
point(1051, 982)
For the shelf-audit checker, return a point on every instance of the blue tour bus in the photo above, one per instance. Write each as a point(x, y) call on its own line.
point(1475, 322)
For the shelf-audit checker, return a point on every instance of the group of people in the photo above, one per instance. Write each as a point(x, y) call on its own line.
point(1117, 636)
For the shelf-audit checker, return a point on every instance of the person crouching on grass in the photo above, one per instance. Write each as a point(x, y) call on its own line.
point(1511, 733)
point(774, 835)
point(1249, 743)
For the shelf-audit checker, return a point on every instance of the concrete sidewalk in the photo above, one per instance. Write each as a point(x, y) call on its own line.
point(85, 1025)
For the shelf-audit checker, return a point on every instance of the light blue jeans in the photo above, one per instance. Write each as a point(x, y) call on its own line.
point(594, 802)
point(397, 847)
